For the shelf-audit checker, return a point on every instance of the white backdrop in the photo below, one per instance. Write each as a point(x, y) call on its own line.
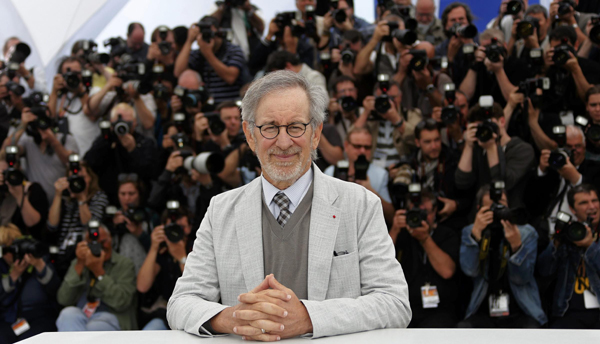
point(51, 27)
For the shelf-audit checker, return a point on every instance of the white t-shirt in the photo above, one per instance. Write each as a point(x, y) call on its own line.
point(83, 129)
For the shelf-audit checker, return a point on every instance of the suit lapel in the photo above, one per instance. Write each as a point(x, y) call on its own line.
point(248, 225)
point(324, 222)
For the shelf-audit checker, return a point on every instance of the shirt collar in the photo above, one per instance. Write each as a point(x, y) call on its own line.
point(294, 192)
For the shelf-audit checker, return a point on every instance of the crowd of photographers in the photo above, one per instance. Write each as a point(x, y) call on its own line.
point(484, 148)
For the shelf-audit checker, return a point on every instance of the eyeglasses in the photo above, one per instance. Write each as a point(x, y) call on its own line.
point(127, 177)
point(270, 131)
point(357, 147)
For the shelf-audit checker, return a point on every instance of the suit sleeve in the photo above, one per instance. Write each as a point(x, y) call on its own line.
point(196, 296)
point(384, 292)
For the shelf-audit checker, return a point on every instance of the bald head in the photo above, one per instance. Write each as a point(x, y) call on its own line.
point(135, 39)
point(190, 80)
point(428, 47)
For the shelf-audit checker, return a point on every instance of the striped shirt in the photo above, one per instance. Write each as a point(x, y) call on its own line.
point(230, 55)
point(70, 226)
point(386, 153)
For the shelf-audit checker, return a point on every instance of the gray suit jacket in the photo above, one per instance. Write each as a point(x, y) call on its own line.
point(362, 290)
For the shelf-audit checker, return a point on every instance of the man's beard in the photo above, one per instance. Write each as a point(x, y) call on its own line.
point(278, 171)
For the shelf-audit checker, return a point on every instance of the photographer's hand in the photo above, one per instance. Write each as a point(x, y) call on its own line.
point(174, 162)
point(200, 126)
point(273, 30)
point(483, 218)
point(512, 235)
point(38, 263)
point(18, 267)
point(494, 67)
point(453, 48)
point(59, 83)
point(193, 34)
point(570, 173)
point(206, 48)
point(421, 234)
point(469, 135)
point(545, 155)
point(128, 142)
point(176, 104)
point(81, 253)
point(158, 236)
point(176, 250)
point(27, 116)
point(95, 264)
point(449, 207)
point(588, 240)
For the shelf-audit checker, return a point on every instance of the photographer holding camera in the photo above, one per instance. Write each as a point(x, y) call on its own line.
point(22, 202)
point(573, 261)
point(76, 200)
point(164, 264)
point(162, 49)
point(136, 47)
point(340, 19)
point(28, 288)
point(529, 33)
point(284, 60)
point(428, 253)
point(123, 150)
point(221, 63)
point(359, 143)
point(86, 50)
point(562, 12)
point(592, 101)
point(491, 154)
point(98, 291)
point(500, 257)
point(493, 72)
point(69, 98)
point(16, 52)
point(558, 172)
point(429, 27)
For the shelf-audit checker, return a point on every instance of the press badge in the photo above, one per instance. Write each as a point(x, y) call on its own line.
point(20, 326)
point(430, 296)
point(499, 305)
point(90, 308)
point(590, 300)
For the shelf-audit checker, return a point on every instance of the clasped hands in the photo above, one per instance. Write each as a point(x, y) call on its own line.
point(268, 313)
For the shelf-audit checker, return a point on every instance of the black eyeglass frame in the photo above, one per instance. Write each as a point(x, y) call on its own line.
point(287, 129)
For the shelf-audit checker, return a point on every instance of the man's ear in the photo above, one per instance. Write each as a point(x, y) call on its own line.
point(248, 134)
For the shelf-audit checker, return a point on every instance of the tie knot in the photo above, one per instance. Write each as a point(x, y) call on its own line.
point(281, 200)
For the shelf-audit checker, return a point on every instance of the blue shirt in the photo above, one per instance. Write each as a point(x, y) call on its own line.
point(377, 176)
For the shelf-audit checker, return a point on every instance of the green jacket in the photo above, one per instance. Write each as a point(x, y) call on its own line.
point(117, 290)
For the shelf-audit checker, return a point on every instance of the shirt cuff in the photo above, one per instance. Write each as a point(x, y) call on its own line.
point(7, 284)
point(540, 173)
point(45, 276)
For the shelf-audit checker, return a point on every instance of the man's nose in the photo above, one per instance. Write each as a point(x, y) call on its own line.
point(284, 140)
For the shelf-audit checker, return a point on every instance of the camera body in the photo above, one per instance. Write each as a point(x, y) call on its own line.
point(415, 215)
point(558, 158)
point(130, 69)
point(486, 130)
point(12, 175)
point(76, 182)
point(514, 7)
point(216, 125)
point(348, 55)
point(361, 165)
point(419, 60)
point(94, 235)
point(526, 27)
point(595, 31)
point(567, 230)
point(136, 215)
point(72, 79)
point(406, 37)
point(565, 6)
point(591, 130)
point(206, 31)
point(284, 19)
point(117, 45)
point(465, 31)
point(22, 246)
point(494, 51)
point(37, 104)
point(561, 53)
point(173, 231)
point(121, 127)
point(192, 98)
point(341, 170)
point(449, 112)
point(529, 86)
point(382, 102)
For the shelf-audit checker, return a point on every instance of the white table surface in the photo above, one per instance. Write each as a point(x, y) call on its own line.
point(395, 336)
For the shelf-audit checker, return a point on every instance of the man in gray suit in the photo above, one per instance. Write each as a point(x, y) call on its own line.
point(324, 240)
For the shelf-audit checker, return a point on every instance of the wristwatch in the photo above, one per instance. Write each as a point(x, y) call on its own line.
point(100, 278)
point(430, 88)
point(400, 122)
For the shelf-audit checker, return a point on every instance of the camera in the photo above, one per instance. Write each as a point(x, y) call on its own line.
point(565, 6)
point(415, 215)
point(284, 19)
point(486, 130)
point(192, 98)
point(164, 46)
point(348, 103)
point(173, 231)
point(310, 24)
point(558, 158)
point(403, 12)
point(419, 60)
point(529, 86)
point(87, 77)
point(18, 53)
point(22, 246)
point(500, 211)
point(465, 31)
point(439, 62)
point(526, 27)
point(117, 45)
point(341, 170)
point(94, 234)
point(180, 139)
point(71, 79)
point(494, 51)
point(121, 127)
point(206, 31)
point(15, 88)
point(105, 127)
point(76, 182)
point(449, 112)
point(216, 125)
point(469, 51)
point(135, 214)
point(382, 102)
point(514, 7)
point(536, 57)
point(91, 54)
point(12, 175)
point(561, 53)
point(567, 230)
point(405, 37)
point(361, 165)
point(206, 162)
point(181, 122)
point(399, 187)
point(595, 31)
point(348, 55)
point(339, 15)
point(37, 104)
point(591, 130)
point(130, 69)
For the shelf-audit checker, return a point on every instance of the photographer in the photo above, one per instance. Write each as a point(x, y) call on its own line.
point(125, 151)
point(389, 55)
point(24, 204)
point(452, 133)
point(164, 265)
point(190, 81)
point(592, 101)
point(70, 212)
point(11, 103)
point(435, 165)
point(491, 154)
point(335, 29)
point(162, 50)
point(454, 16)
point(429, 27)
point(553, 179)
point(574, 263)
point(69, 98)
point(244, 21)
point(132, 215)
point(493, 72)
point(500, 257)
point(46, 151)
point(428, 253)
point(562, 13)
point(136, 47)
point(84, 49)
point(520, 45)
point(34, 79)
point(341, 62)
point(508, 15)
point(359, 142)
point(221, 63)
point(392, 124)
point(343, 104)
point(28, 290)
point(98, 292)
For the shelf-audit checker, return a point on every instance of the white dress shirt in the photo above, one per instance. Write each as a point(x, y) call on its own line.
point(295, 192)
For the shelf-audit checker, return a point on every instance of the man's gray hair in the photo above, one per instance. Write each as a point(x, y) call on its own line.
point(575, 130)
point(278, 81)
point(537, 8)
